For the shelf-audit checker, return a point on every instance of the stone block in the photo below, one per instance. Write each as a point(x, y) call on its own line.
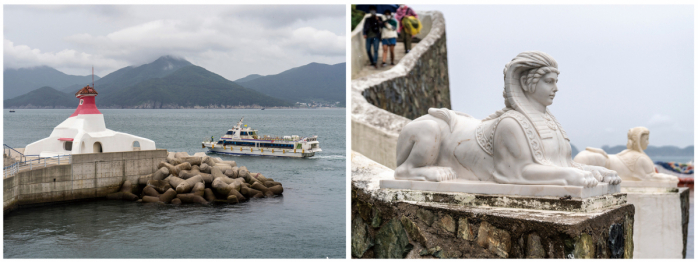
point(465, 231)
point(361, 240)
point(658, 222)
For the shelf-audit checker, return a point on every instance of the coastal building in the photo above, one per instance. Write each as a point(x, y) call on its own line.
point(85, 132)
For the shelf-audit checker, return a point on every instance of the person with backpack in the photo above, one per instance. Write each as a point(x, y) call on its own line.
point(372, 34)
point(389, 37)
point(402, 13)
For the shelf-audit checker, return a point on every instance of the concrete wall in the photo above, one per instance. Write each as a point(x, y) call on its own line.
point(659, 224)
point(87, 176)
point(383, 103)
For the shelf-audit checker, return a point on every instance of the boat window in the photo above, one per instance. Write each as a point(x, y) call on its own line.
point(229, 133)
point(243, 133)
point(68, 145)
point(220, 142)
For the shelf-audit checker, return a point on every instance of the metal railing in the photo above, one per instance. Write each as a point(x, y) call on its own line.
point(39, 162)
point(7, 150)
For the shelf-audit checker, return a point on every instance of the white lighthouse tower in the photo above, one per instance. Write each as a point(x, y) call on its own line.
point(85, 132)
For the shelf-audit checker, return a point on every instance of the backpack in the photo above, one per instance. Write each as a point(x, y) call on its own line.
point(412, 25)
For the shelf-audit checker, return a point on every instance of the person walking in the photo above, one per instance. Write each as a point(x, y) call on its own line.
point(389, 37)
point(402, 12)
point(372, 34)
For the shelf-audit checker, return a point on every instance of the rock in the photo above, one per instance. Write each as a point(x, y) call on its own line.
point(186, 185)
point(434, 251)
point(168, 196)
point(493, 239)
point(150, 191)
point(151, 199)
point(376, 220)
point(173, 161)
point(170, 154)
point(232, 199)
point(200, 154)
point(208, 195)
point(465, 231)
point(630, 245)
point(413, 231)
point(205, 168)
point(391, 241)
point(230, 173)
point(263, 189)
point(360, 238)
point(616, 241)
point(534, 248)
point(277, 189)
point(160, 185)
point(183, 166)
point(271, 183)
point(181, 154)
point(447, 223)
point(124, 193)
point(584, 247)
point(193, 160)
point(198, 189)
point(161, 173)
point(426, 216)
point(191, 198)
point(176, 201)
point(172, 169)
point(174, 181)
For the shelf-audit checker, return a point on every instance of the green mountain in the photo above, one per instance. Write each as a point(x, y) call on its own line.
point(130, 75)
point(248, 78)
point(20, 81)
point(45, 97)
point(190, 86)
point(311, 82)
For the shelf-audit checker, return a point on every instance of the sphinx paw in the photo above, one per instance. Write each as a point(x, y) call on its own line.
point(443, 174)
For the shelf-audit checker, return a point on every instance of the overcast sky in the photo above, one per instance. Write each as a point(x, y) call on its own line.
point(233, 41)
point(620, 66)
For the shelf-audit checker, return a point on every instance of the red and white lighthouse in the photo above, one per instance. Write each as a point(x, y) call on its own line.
point(85, 132)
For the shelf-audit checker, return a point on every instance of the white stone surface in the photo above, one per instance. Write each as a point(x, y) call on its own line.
point(482, 187)
point(521, 144)
point(657, 231)
point(631, 164)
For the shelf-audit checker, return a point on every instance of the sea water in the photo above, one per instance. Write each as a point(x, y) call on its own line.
point(308, 221)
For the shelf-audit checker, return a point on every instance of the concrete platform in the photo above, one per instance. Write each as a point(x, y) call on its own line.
point(492, 188)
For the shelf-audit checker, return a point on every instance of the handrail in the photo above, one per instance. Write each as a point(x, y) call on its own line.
point(9, 154)
point(13, 169)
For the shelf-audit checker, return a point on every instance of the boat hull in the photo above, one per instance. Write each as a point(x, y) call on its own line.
point(255, 151)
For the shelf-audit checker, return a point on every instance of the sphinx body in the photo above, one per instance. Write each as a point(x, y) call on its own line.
point(631, 164)
point(521, 144)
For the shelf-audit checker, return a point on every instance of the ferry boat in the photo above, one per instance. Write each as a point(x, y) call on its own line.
point(242, 140)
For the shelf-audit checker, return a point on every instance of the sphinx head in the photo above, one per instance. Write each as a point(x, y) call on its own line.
point(638, 138)
point(537, 77)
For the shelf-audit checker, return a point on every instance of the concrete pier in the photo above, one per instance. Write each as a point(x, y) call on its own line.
point(87, 176)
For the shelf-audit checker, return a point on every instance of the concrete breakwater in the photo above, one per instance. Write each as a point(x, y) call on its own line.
point(198, 179)
point(87, 176)
point(97, 175)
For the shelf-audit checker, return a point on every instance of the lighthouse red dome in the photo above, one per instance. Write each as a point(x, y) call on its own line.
point(87, 104)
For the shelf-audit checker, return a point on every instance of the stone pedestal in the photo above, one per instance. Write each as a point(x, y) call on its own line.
point(408, 223)
point(661, 221)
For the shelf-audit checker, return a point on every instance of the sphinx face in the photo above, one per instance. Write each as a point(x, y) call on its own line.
point(645, 141)
point(545, 89)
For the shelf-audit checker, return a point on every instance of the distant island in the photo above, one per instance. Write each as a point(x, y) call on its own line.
point(651, 150)
point(171, 82)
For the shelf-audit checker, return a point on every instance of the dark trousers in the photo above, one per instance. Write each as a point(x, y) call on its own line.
point(407, 40)
point(372, 41)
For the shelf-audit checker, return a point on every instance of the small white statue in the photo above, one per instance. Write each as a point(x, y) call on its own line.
point(631, 164)
point(520, 144)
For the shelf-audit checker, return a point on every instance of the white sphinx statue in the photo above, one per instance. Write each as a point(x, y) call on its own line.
point(520, 144)
point(631, 164)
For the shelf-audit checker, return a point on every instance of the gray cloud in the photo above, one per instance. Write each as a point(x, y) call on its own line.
point(621, 66)
point(265, 39)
